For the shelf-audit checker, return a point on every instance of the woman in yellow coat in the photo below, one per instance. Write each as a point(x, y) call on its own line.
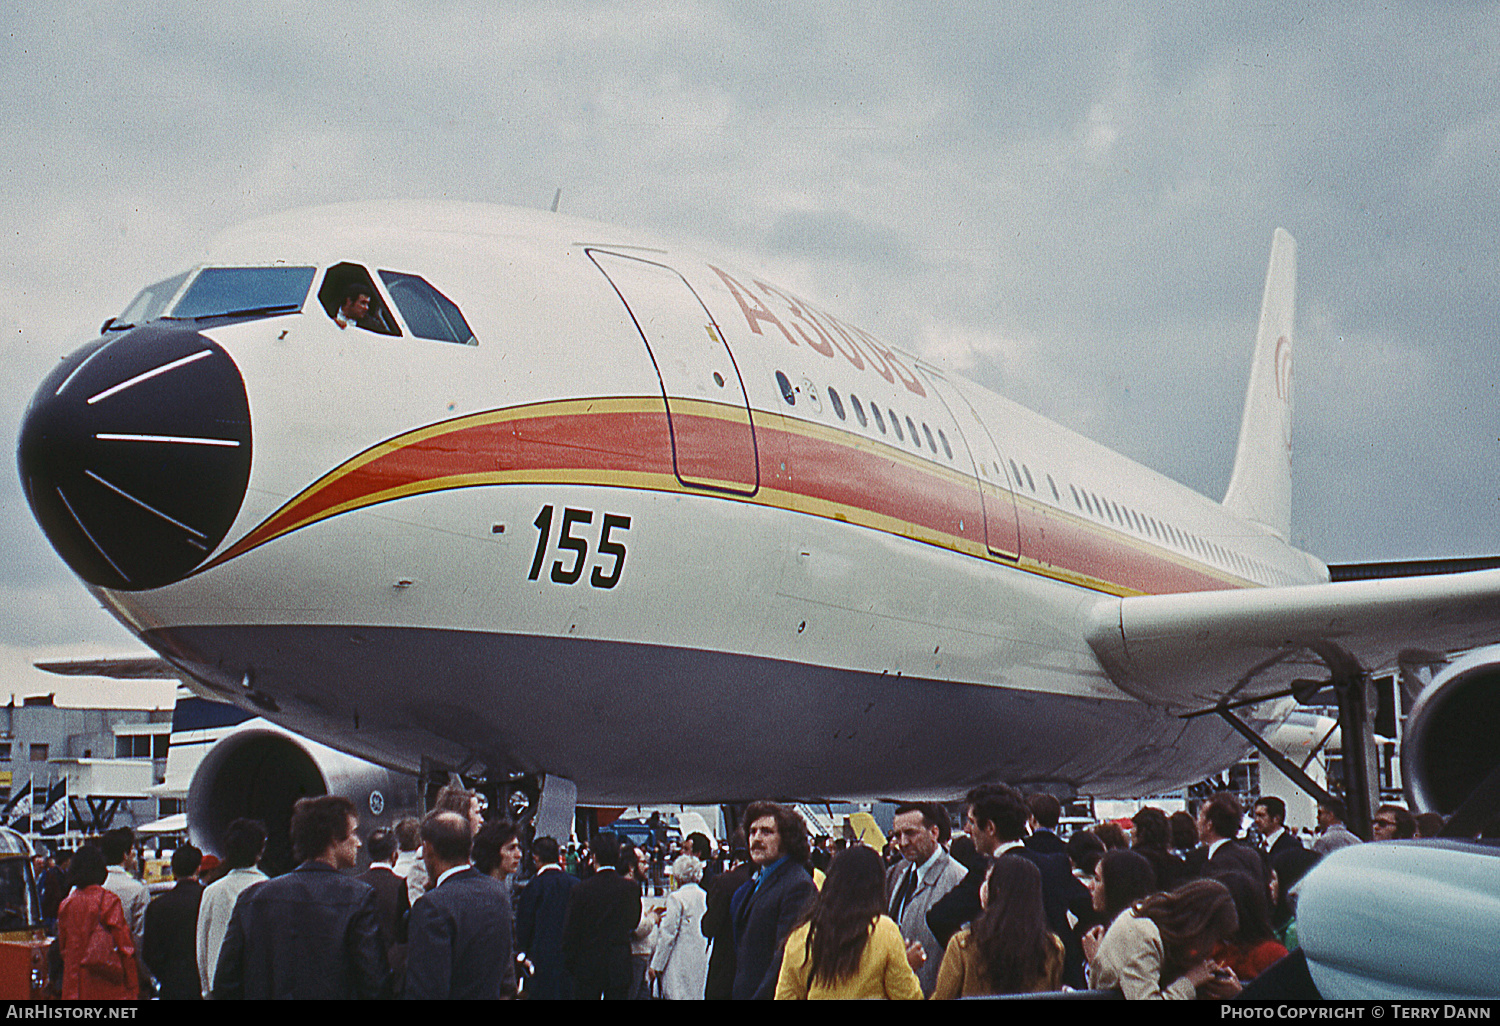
point(846, 948)
point(1008, 949)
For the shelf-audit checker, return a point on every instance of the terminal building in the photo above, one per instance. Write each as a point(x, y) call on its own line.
point(66, 773)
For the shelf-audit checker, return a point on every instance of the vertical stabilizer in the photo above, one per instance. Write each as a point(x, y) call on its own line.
point(1261, 487)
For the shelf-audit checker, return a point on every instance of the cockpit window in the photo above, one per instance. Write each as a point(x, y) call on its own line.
point(244, 291)
point(346, 279)
point(428, 313)
point(150, 304)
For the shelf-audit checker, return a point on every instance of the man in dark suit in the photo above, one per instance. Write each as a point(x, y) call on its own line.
point(392, 904)
point(1221, 852)
point(603, 912)
point(718, 924)
point(1270, 823)
point(767, 907)
point(171, 942)
point(540, 912)
point(459, 935)
point(1045, 812)
point(312, 933)
point(996, 822)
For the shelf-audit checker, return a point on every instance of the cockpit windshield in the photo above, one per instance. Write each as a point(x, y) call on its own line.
point(220, 292)
point(244, 291)
point(151, 303)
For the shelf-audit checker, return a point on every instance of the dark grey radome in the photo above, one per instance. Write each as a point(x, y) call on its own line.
point(135, 455)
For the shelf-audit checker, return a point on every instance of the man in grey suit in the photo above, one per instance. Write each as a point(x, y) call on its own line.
point(459, 935)
point(1332, 833)
point(913, 885)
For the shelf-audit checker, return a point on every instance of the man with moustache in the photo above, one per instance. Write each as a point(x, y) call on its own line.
point(766, 908)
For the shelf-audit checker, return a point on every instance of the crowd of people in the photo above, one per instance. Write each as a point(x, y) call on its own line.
point(1156, 906)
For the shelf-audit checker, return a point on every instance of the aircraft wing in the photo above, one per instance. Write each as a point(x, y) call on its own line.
point(1192, 651)
point(119, 668)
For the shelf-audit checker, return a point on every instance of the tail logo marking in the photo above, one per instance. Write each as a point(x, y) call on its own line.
point(1283, 368)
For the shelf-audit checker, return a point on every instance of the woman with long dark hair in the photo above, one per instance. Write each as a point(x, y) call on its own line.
point(1153, 838)
point(846, 947)
point(1008, 949)
point(1120, 879)
point(1161, 948)
point(1253, 947)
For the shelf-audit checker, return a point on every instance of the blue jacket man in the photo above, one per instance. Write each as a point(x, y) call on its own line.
point(540, 911)
point(767, 907)
point(459, 934)
point(312, 933)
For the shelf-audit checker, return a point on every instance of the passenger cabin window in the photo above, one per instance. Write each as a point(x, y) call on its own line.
point(784, 383)
point(838, 407)
point(344, 279)
point(427, 312)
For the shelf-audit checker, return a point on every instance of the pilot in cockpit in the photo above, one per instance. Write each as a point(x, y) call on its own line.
point(355, 306)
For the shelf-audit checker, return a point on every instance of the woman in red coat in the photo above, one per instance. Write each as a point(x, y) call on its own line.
point(102, 967)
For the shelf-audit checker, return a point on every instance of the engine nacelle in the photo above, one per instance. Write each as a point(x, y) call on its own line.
point(1452, 740)
point(259, 770)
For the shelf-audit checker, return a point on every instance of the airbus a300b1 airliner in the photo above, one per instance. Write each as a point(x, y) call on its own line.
point(569, 501)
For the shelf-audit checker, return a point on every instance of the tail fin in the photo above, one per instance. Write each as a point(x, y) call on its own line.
point(1261, 487)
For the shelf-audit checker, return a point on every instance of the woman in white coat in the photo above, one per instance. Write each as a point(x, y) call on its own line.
point(680, 960)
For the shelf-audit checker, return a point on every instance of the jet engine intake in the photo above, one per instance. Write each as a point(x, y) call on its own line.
point(259, 771)
point(1452, 741)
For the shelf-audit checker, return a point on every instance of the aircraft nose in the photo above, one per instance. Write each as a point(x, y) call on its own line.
point(135, 453)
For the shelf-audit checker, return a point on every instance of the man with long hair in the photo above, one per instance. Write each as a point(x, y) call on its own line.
point(766, 908)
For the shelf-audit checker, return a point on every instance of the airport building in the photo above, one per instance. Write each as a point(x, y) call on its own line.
point(69, 772)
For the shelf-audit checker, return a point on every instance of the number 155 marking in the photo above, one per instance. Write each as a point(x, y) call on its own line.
point(562, 574)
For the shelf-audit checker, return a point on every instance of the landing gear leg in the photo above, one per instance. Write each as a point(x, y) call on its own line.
point(555, 808)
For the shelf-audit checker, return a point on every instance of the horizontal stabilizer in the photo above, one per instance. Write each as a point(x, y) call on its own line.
point(1191, 651)
point(1410, 568)
point(120, 668)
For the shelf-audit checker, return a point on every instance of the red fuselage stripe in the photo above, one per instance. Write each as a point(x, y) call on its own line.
point(805, 468)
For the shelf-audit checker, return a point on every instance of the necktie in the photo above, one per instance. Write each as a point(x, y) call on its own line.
point(903, 893)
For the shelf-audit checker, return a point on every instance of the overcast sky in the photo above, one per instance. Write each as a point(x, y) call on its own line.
point(1072, 204)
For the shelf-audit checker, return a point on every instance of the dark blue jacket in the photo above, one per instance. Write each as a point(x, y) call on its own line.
point(312, 933)
point(540, 911)
point(459, 941)
point(764, 916)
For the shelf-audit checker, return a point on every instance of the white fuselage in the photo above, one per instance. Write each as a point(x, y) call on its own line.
point(750, 597)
